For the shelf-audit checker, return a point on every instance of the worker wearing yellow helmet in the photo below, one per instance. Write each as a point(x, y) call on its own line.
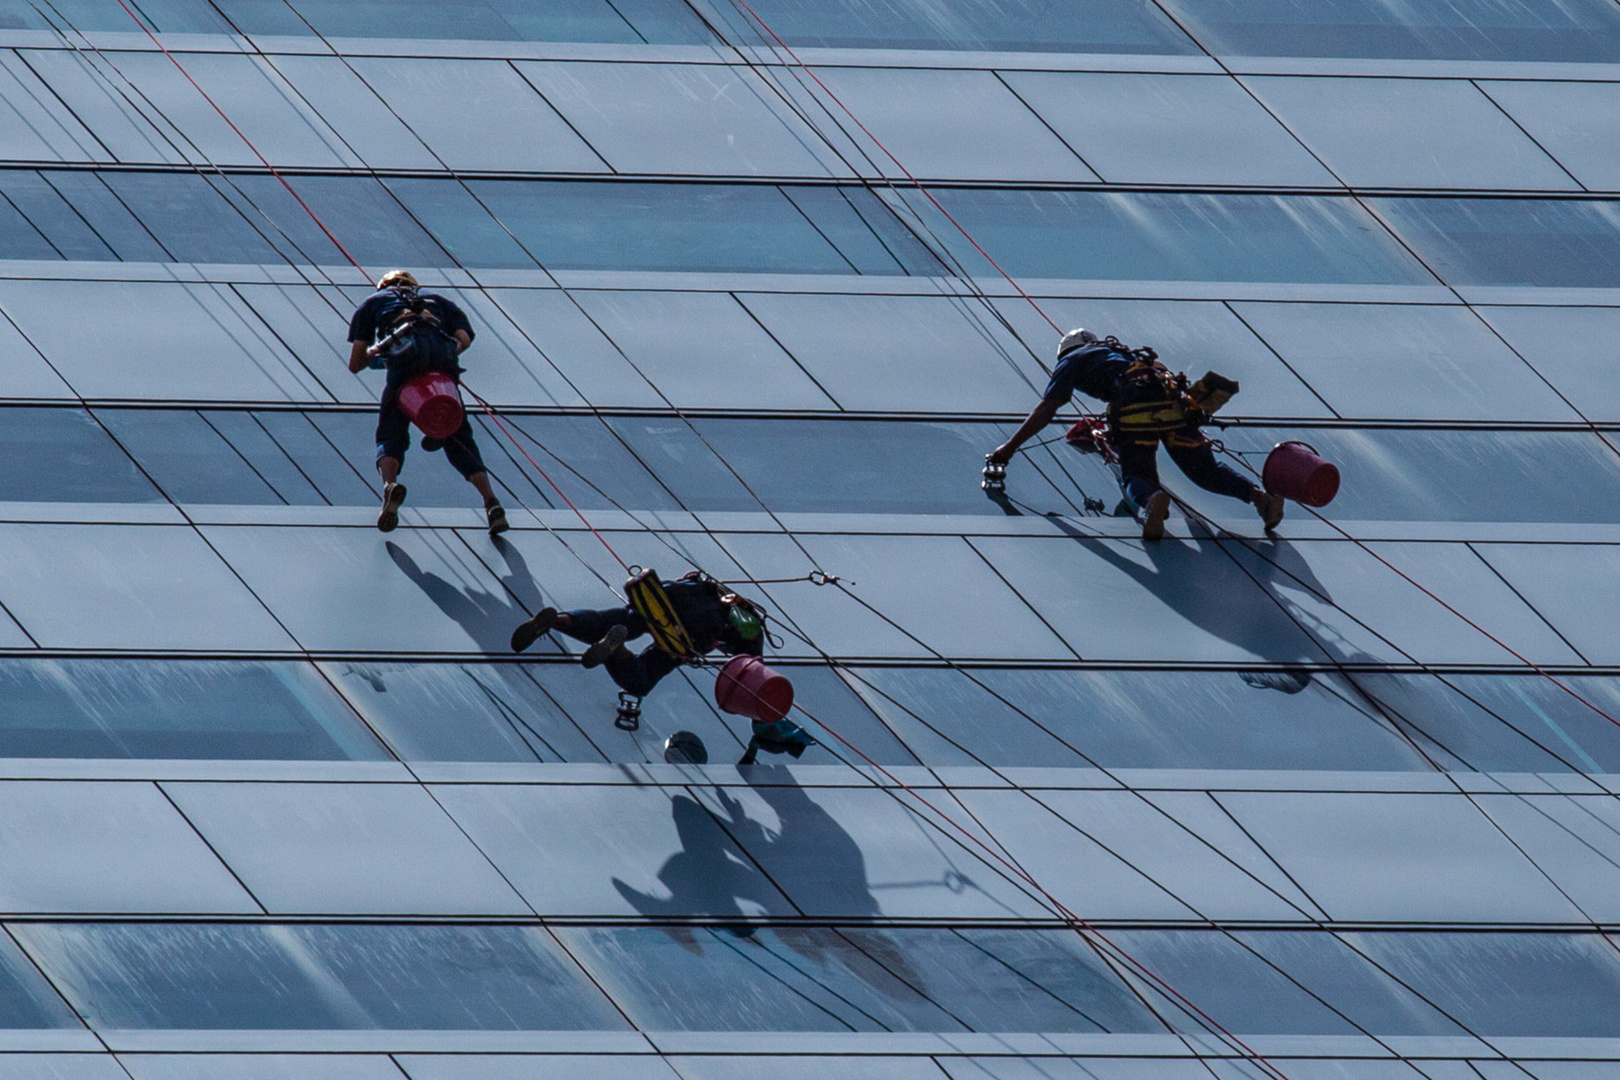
point(408, 332)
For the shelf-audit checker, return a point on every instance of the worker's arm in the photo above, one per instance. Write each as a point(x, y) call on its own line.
point(359, 357)
point(1039, 417)
point(463, 339)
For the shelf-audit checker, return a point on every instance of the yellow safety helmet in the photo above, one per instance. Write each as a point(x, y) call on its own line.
point(397, 277)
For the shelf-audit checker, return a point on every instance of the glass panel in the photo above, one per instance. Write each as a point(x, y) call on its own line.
point(501, 712)
point(662, 22)
point(855, 980)
point(865, 231)
point(1508, 984)
point(660, 227)
point(1163, 237)
point(1161, 719)
point(70, 458)
point(1543, 242)
point(176, 709)
point(26, 999)
point(1569, 30)
point(464, 228)
point(301, 977)
point(67, 233)
point(1102, 26)
point(87, 194)
point(18, 237)
point(190, 218)
point(168, 16)
point(186, 457)
point(1394, 475)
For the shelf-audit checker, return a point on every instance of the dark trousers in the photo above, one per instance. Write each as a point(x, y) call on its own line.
point(394, 430)
point(1139, 468)
point(635, 674)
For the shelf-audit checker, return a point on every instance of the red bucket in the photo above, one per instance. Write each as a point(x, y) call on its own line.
point(432, 402)
point(746, 687)
point(1295, 472)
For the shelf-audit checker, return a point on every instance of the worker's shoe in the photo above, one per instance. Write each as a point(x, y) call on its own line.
point(497, 519)
point(1270, 508)
point(597, 654)
point(528, 633)
point(1158, 508)
point(393, 496)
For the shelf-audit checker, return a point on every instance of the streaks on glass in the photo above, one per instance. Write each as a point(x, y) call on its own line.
point(204, 709)
point(1569, 30)
point(1172, 237)
point(71, 459)
point(210, 976)
point(1539, 242)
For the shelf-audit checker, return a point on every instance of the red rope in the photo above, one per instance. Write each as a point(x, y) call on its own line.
point(879, 144)
point(249, 142)
point(560, 492)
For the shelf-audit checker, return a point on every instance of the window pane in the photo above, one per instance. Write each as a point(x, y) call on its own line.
point(1395, 475)
point(662, 22)
point(302, 977)
point(1161, 237)
point(1101, 26)
point(502, 711)
point(186, 457)
point(1508, 984)
point(1543, 242)
point(26, 999)
point(176, 709)
point(44, 207)
point(70, 459)
point(856, 980)
point(699, 227)
point(192, 220)
point(1569, 30)
point(168, 16)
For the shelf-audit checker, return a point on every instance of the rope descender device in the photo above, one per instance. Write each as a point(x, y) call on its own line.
point(995, 477)
point(629, 717)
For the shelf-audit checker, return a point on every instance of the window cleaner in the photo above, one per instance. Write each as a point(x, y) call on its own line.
point(416, 337)
point(687, 619)
point(1147, 405)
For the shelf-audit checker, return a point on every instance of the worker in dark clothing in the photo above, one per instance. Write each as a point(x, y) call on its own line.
point(410, 332)
point(711, 617)
point(1147, 404)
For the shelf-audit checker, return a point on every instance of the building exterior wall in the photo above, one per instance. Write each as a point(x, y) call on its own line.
point(277, 800)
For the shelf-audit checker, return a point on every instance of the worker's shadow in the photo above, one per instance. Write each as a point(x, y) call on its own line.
point(717, 868)
point(487, 617)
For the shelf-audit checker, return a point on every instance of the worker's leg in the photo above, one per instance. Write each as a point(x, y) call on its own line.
point(588, 626)
point(1194, 456)
point(393, 437)
point(1139, 480)
point(638, 674)
point(462, 451)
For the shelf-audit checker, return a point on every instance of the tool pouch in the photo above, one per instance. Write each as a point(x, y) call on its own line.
point(1211, 392)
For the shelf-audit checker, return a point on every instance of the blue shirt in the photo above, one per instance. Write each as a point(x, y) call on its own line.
point(382, 307)
point(1093, 370)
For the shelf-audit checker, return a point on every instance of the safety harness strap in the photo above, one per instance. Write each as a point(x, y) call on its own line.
point(647, 596)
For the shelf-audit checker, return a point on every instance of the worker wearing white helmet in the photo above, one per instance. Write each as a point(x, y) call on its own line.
point(1147, 405)
point(409, 332)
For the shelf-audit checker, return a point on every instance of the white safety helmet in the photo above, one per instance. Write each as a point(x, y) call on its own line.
point(1075, 338)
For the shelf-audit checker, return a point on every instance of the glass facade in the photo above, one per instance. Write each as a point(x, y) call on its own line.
point(279, 800)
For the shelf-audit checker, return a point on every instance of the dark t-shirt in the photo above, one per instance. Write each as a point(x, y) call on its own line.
point(1093, 370)
point(706, 620)
point(382, 307)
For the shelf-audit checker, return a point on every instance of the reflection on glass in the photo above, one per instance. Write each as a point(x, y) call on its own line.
point(1099, 26)
point(497, 978)
point(26, 999)
point(1568, 30)
point(819, 979)
point(70, 458)
point(594, 226)
point(1124, 719)
point(1166, 237)
point(69, 708)
point(1404, 475)
point(661, 22)
point(1508, 984)
point(1543, 242)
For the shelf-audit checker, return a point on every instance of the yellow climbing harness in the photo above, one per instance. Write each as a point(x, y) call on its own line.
point(647, 596)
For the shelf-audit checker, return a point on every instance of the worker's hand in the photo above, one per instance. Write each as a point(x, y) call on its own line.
point(1001, 455)
point(373, 352)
